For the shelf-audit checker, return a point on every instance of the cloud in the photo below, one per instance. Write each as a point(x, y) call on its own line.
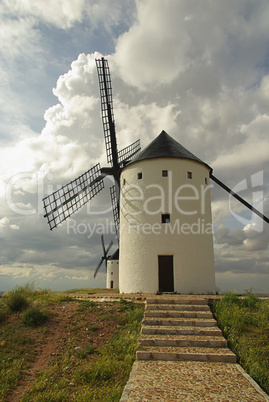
point(257, 243)
point(224, 235)
point(5, 225)
point(79, 80)
point(257, 235)
point(251, 233)
point(63, 13)
point(147, 43)
point(19, 39)
point(143, 121)
point(173, 38)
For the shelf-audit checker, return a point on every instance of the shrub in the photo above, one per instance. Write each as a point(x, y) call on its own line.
point(263, 316)
point(16, 301)
point(250, 300)
point(125, 305)
point(34, 316)
point(230, 298)
point(3, 310)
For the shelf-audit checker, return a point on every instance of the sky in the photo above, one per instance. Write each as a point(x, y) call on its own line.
point(197, 69)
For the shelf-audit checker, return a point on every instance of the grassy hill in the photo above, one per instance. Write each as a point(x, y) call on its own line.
point(55, 348)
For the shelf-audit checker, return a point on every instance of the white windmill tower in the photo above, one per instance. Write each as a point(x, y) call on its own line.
point(112, 275)
point(166, 242)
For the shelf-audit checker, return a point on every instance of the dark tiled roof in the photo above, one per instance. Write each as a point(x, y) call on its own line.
point(165, 146)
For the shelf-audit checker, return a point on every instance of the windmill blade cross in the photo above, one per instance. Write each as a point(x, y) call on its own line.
point(105, 257)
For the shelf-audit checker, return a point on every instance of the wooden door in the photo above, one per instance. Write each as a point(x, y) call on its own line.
point(166, 273)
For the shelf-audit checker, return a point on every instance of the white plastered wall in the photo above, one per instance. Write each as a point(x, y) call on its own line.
point(188, 236)
point(112, 274)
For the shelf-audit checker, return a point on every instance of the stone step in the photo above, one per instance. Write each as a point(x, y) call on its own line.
point(184, 307)
point(183, 341)
point(194, 322)
point(185, 354)
point(179, 314)
point(178, 301)
point(188, 330)
point(181, 329)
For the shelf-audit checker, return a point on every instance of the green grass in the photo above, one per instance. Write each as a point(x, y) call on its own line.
point(87, 368)
point(90, 291)
point(245, 324)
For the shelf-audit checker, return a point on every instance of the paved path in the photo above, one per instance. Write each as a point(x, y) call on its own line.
point(190, 381)
point(182, 357)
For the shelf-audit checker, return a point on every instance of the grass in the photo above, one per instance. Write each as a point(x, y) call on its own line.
point(244, 322)
point(95, 359)
point(91, 291)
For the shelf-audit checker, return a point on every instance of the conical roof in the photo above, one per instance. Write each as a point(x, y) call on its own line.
point(165, 146)
point(115, 256)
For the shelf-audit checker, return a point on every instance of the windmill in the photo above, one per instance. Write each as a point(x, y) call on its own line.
point(105, 256)
point(62, 203)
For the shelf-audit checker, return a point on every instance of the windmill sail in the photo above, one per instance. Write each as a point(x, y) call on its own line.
point(107, 110)
point(115, 209)
point(70, 198)
point(240, 199)
point(126, 154)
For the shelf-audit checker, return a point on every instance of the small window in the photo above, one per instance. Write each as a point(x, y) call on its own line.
point(165, 173)
point(205, 180)
point(111, 284)
point(165, 218)
point(189, 175)
point(124, 182)
point(111, 273)
point(139, 176)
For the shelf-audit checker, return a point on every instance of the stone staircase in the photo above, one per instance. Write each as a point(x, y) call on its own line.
point(180, 329)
